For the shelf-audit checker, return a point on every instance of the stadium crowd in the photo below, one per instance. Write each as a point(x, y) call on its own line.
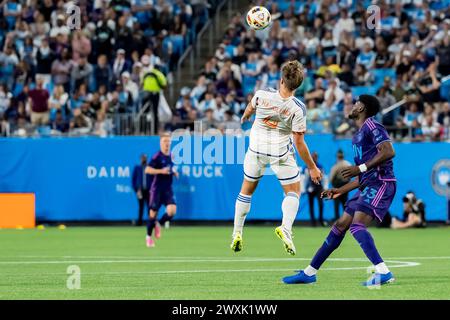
point(405, 58)
point(76, 80)
point(67, 67)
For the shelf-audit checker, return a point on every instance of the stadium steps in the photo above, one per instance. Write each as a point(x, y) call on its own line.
point(205, 46)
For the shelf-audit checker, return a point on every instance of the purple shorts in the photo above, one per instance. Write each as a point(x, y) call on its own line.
point(375, 199)
point(161, 198)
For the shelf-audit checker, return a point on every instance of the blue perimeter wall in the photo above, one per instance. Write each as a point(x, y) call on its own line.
point(90, 178)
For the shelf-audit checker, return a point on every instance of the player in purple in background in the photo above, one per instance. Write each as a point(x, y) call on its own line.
point(161, 192)
point(373, 169)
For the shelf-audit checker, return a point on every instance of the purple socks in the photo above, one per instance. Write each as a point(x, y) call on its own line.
point(365, 240)
point(331, 243)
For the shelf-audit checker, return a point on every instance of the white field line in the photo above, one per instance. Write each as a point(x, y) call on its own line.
point(392, 264)
point(178, 261)
point(201, 258)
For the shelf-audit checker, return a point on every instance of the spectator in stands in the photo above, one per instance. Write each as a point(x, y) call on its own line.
point(411, 114)
point(361, 76)
point(44, 59)
point(80, 124)
point(366, 56)
point(431, 129)
point(61, 70)
point(102, 73)
point(8, 63)
point(333, 95)
point(208, 103)
point(39, 97)
point(120, 64)
point(444, 115)
point(230, 122)
point(81, 73)
point(81, 45)
point(59, 125)
point(209, 121)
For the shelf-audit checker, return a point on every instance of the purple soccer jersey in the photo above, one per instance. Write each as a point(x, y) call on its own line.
point(162, 181)
point(161, 192)
point(365, 143)
point(378, 185)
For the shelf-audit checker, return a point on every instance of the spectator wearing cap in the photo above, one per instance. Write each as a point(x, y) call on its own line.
point(120, 64)
point(130, 86)
point(60, 27)
point(39, 96)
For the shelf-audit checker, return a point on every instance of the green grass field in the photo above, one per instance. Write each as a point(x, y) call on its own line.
point(196, 263)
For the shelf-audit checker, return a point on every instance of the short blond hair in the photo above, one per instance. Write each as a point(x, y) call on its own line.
point(292, 73)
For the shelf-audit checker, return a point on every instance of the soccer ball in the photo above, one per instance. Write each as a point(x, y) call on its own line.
point(258, 18)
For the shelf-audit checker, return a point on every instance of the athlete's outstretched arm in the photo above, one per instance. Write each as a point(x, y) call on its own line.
point(249, 111)
point(385, 152)
point(337, 192)
point(303, 151)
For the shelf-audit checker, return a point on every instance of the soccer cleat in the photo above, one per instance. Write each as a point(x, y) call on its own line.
point(167, 225)
point(236, 244)
point(300, 278)
point(149, 242)
point(157, 230)
point(286, 237)
point(378, 279)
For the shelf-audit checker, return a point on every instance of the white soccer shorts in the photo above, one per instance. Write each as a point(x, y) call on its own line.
point(285, 167)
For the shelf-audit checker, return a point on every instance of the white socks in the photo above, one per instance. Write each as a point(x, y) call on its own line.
point(310, 271)
point(290, 208)
point(243, 204)
point(381, 268)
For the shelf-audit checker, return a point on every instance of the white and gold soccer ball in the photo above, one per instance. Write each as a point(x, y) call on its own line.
point(259, 18)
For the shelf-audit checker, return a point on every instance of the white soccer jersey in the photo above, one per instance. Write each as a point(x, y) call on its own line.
point(275, 120)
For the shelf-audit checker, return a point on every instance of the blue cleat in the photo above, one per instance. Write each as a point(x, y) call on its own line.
point(300, 277)
point(378, 279)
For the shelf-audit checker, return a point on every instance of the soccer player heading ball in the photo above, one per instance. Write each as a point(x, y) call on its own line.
point(373, 153)
point(280, 122)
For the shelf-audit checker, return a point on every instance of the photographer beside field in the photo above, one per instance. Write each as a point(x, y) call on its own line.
point(413, 213)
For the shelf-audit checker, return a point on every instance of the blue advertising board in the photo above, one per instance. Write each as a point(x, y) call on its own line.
point(90, 178)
